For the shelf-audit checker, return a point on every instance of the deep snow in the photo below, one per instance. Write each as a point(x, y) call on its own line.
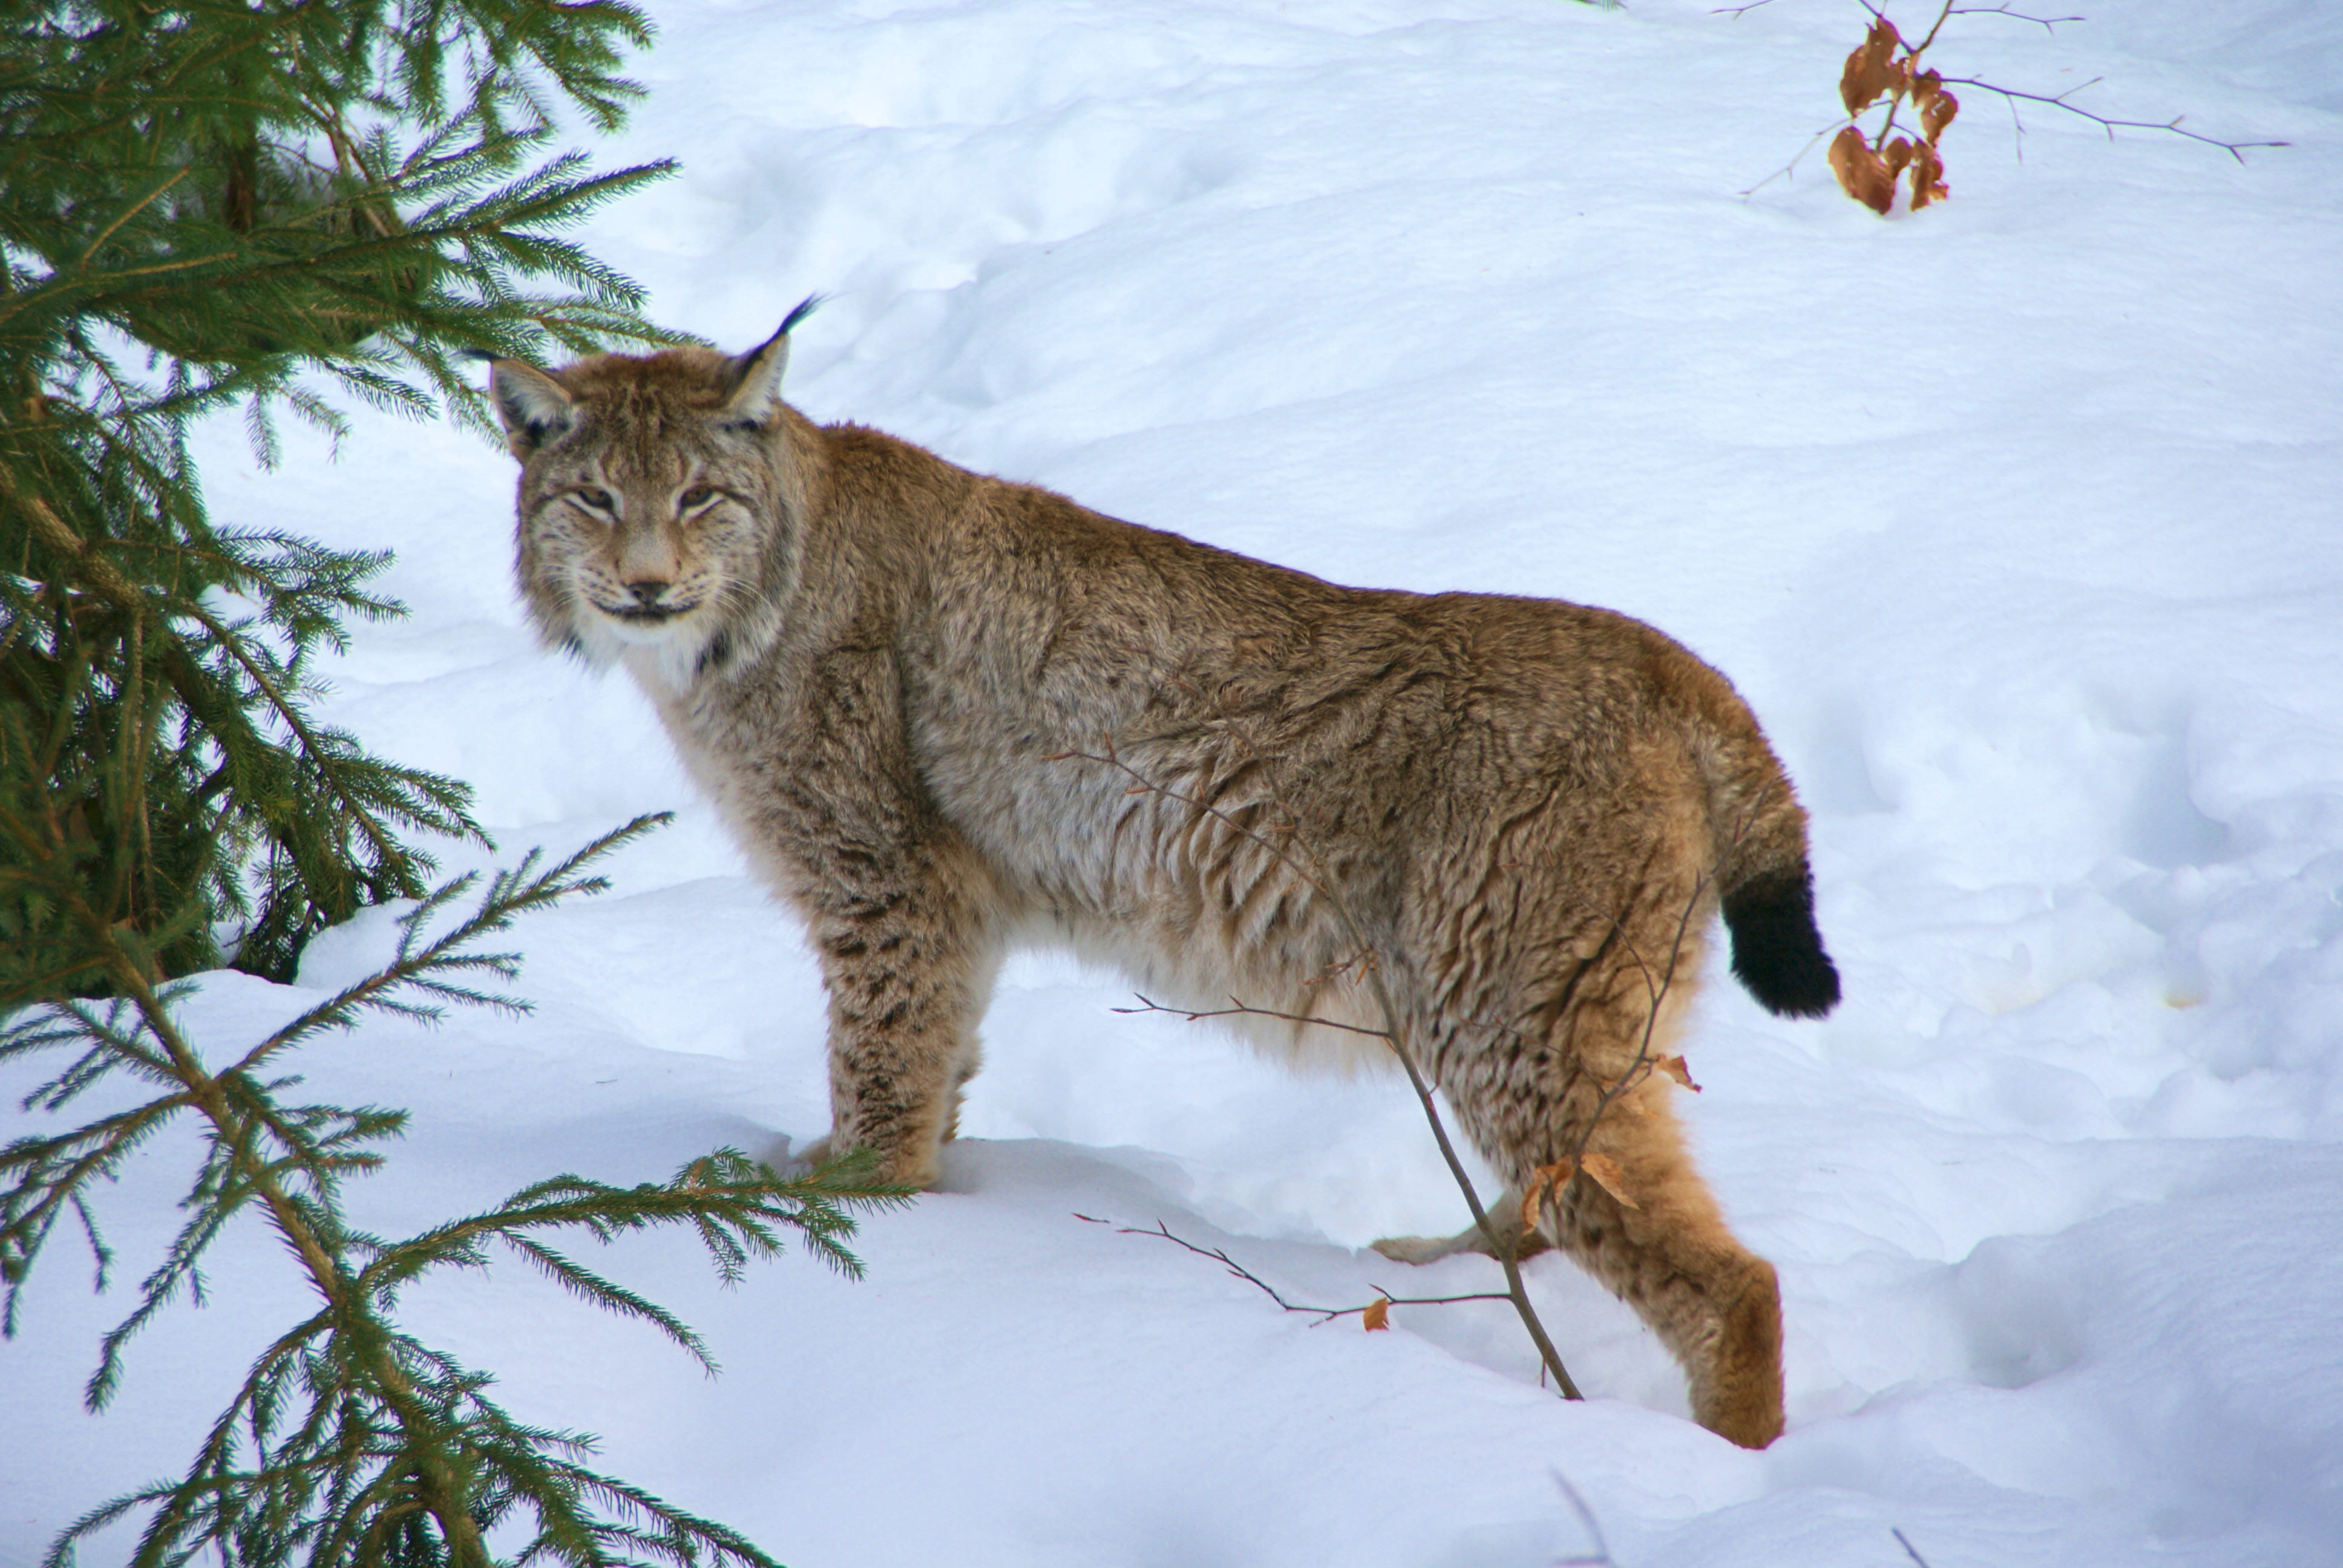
point(2016, 521)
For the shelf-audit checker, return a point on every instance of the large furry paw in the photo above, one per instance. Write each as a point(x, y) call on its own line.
point(1738, 1395)
point(1505, 1216)
point(926, 1174)
point(1425, 1249)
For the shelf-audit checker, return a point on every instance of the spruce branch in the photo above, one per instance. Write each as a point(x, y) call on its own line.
point(262, 201)
point(350, 1441)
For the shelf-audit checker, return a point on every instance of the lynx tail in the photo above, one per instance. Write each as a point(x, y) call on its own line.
point(1777, 953)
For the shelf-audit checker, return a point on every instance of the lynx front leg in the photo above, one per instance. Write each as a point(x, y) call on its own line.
point(907, 960)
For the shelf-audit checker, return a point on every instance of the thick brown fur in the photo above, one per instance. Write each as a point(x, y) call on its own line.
point(885, 670)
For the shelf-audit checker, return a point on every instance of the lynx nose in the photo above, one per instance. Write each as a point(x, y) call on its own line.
point(647, 592)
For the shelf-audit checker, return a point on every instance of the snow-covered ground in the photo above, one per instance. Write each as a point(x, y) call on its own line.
point(2016, 521)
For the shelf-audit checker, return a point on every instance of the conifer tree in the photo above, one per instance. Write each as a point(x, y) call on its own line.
point(209, 203)
point(214, 203)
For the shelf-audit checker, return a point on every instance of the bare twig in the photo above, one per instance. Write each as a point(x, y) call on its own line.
point(1324, 1314)
point(2048, 24)
point(1240, 1010)
point(1602, 1558)
point(1786, 170)
point(2111, 125)
point(1909, 1550)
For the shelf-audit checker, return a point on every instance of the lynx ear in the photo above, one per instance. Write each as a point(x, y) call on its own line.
point(534, 406)
point(756, 398)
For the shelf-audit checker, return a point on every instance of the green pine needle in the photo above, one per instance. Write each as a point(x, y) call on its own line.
point(350, 1441)
point(281, 209)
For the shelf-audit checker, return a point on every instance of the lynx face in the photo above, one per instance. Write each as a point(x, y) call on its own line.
point(651, 526)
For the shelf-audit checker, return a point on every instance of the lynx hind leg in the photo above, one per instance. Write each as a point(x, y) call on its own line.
point(1504, 1218)
point(1713, 1304)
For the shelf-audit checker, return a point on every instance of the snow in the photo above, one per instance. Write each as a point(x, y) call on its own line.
point(2016, 520)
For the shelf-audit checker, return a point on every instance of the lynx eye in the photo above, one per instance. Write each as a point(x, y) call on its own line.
point(596, 501)
point(692, 500)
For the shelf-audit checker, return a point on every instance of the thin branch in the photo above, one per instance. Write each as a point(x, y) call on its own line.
point(1240, 1010)
point(2106, 123)
point(1913, 52)
point(132, 210)
point(1324, 1314)
point(2048, 24)
point(1786, 169)
point(1602, 1558)
point(1909, 1550)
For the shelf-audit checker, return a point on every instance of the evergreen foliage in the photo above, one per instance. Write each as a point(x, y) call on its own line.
point(216, 203)
point(208, 203)
point(350, 1441)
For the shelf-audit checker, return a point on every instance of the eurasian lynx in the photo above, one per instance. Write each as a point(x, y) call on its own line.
point(887, 671)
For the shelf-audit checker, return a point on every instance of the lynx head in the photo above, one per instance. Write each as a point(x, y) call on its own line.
point(655, 522)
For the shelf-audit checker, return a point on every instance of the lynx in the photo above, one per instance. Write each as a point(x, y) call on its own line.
point(920, 699)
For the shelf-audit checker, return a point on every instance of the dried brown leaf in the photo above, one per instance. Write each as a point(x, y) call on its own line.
point(1377, 1315)
point(1871, 69)
point(1673, 1066)
point(1937, 113)
point(1897, 154)
point(1862, 173)
point(1928, 176)
point(1545, 1180)
point(1605, 1173)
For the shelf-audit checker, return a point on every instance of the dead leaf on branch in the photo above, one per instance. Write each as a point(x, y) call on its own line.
point(1871, 70)
point(1673, 1066)
point(1545, 1179)
point(1928, 176)
point(1548, 1181)
point(1899, 154)
point(1605, 1173)
point(1377, 1315)
point(1936, 112)
point(1862, 173)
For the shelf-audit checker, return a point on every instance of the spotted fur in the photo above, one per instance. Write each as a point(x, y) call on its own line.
point(944, 714)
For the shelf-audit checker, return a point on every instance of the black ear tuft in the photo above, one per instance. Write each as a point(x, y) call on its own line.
point(756, 399)
point(805, 308)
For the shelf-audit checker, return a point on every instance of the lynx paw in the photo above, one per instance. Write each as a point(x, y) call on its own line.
point(1738, 1395)
point(1505, 1217)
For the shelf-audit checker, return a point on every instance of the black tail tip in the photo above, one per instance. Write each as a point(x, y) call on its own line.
point(1777, 953)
